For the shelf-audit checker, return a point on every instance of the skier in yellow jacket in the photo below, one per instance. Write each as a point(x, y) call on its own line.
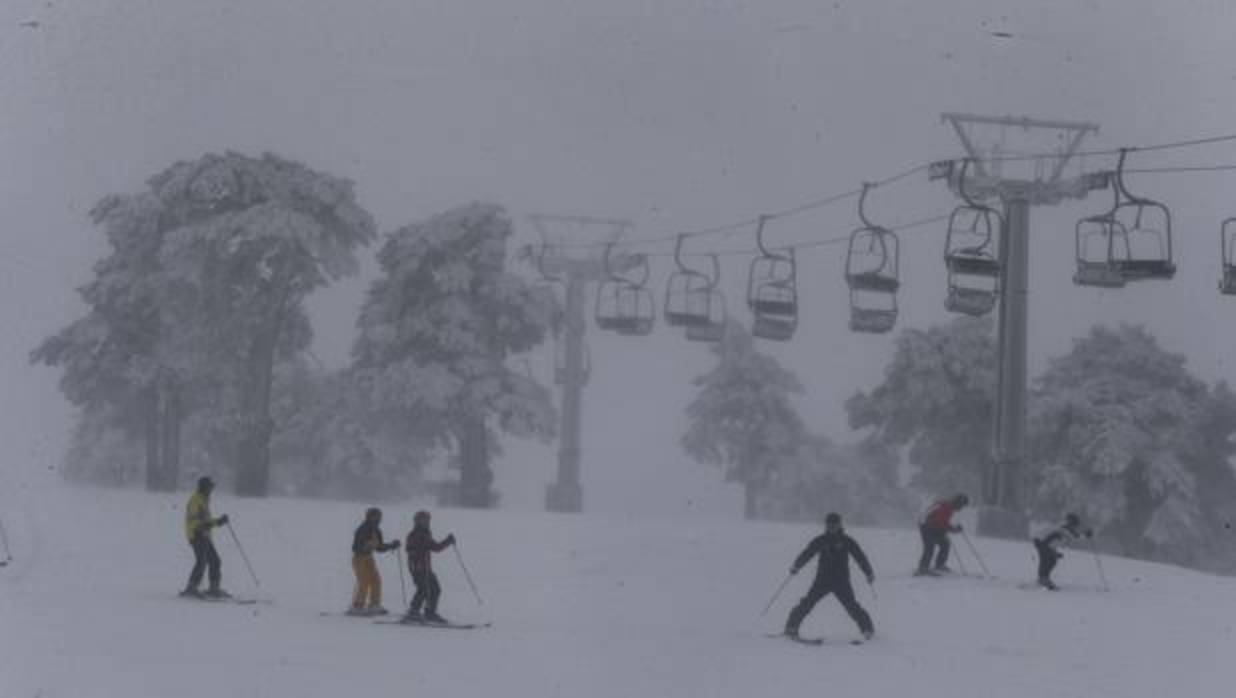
point(198, 523)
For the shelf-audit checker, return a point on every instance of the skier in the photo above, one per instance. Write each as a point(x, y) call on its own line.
point(937, 523)
point(832, 575)
point(421, 546)
point(1047, 547)
point(367, 598)
point(198, 523)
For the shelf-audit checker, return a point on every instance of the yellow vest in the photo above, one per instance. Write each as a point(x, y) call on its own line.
point(197, 516)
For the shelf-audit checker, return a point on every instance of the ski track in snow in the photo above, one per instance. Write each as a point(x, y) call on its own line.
point(582, 606)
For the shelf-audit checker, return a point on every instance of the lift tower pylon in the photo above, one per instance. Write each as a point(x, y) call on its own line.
point(575, 260)
point(1041, 183)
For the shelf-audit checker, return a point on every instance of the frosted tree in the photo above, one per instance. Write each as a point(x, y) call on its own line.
point(743, 417)
point(203, 291)
point(437, 330)
point(858, 480)
point(1122, 433)
point(937, 397)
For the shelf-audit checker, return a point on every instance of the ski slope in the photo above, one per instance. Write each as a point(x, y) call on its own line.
point(581, 605)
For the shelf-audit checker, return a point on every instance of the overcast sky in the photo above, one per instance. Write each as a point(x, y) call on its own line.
point(677, 115)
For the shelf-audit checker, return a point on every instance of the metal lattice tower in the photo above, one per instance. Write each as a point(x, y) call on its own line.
point(1045, 185)
point(574, 261)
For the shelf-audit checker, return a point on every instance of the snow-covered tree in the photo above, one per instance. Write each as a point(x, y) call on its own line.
point(857, 480)
point(202, 291)
point(936, 397)
point(744, 417)
point(437, 330)
point(1122, 433)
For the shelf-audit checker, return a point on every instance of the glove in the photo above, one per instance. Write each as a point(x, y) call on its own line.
point(793, 570)
point(1090, 533)
point(221, 521)
point(871, 578)
point(450, 539)
point(393, 545)
point(955, 528)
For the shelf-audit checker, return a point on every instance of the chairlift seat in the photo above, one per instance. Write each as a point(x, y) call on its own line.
point(872, 321)
point(972, 264)
point(1099, 275)
point(776, 328)
point(1145, 269)
point(1227, 285)
point(970, 301)
point(873, 281)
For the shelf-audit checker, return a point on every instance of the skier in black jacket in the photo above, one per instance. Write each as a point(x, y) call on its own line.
point(1048, 547)
point(835, 549)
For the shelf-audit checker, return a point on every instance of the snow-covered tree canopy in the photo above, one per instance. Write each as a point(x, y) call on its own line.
point(1123, 433)
point(744, 417)
point(937, 397)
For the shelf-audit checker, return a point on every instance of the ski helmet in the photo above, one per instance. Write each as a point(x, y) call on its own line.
point(373, 513)
point(1072, 520)
point(833, 519)
point(205, 484)
point(961, 500)
point(421, 518)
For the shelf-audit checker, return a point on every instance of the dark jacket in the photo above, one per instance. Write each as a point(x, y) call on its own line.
point(835, 551)
point(420, 545)
point(368, 539)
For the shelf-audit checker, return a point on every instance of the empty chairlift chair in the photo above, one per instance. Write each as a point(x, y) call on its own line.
point(772, 290)
point(688, 295)
point(871, 272)
point(1227, 238)
point(714, 329)
point(624, 304)
point(970, 255)
point(1132, 241)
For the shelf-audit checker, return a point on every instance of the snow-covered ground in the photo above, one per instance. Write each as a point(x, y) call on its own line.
point(581, 605)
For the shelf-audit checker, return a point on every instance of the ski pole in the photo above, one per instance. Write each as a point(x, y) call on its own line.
point(4, 536)
point(871, 586)
point(1098, 562)
point(780, 589)
point(961, 562)
point(403, 589)
point(974, 551)
point(467, 575)
point(243, 556)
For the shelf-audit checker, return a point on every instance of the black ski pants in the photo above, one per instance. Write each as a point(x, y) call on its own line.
point(204, 556)
point(427, 591)
point(821, 588)
point(1048, 557)
point(935, 541)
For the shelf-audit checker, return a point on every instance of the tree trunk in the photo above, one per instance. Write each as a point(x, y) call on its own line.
point(751, 492)
point(253, 448)
point(151, 416)
point(170, 423)
point(475, 475)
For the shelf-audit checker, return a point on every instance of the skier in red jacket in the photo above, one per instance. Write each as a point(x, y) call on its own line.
point(421, 546)
point(937, 523)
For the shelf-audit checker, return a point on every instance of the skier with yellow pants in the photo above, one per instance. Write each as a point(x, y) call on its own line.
point(367, 597)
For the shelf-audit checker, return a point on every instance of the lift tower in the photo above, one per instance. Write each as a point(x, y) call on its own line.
point(571, 254)
point(1039, 181)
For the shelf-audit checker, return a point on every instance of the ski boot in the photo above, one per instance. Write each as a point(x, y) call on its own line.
point(1048, 584)
point(355, 611)
point(412, 616)
point(191, 593)
point(791, 633)
point(943, 569)
point(376, 610)
point(217, 593)
point(433, 617)
point(923, 572)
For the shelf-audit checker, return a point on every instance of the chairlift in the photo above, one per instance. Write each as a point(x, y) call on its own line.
point(970, 254)
point(1133, 240)
point(624, 305)
point(1227, 238)
point(688, 294)
point(714, 329)
point(772, 290)
point(871, 272)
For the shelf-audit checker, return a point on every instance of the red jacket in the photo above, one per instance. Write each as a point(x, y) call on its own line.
point(940, 515)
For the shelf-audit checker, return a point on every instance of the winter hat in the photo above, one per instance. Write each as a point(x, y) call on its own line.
point(373, 513)
point(833, 518)
point(421, 517)
point(205, 483)
point(1072, 520)
point(961, 500)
